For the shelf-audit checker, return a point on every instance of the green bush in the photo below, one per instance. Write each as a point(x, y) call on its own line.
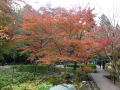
point(93, 66)
point(78, 65)
point(108, 64)
point(5, 79)
point(40, 68)
point(44, 86)
point(24, 86)
point(18, 77)
point(77, 71)
point(28, 86)
point(111, 71)
point(55, 79)
point(118, 64)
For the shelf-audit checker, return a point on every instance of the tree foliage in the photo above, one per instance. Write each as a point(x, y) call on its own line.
point(8, 25)
point(58, 34)
point(108, 39)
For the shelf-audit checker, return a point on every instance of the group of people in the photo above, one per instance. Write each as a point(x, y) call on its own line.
point(101, 64)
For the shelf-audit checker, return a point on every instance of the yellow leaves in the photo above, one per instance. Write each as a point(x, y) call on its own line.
point(3, 34)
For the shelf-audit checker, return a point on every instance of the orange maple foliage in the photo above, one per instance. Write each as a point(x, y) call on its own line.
point(59, 35)
point(8, 22)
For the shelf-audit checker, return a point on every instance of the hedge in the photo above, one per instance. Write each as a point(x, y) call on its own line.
point(93, 66)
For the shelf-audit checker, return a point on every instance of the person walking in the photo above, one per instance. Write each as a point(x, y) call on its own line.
point(99, 63)
point(103, 63)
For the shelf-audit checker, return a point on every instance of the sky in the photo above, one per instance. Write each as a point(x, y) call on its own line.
point(108, 7)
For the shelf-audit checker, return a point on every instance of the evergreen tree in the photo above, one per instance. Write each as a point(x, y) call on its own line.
point(104, 20)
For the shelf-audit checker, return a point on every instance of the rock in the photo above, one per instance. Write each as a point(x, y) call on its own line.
point(63, 87)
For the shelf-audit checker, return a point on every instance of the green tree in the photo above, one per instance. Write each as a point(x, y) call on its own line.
point(8, 25)
point(104, 20)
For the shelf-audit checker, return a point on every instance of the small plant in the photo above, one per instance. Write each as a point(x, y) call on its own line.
point(44, 86)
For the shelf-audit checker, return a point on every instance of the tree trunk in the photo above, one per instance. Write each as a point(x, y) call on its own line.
point(75, 66)
point(14, 61)
point(65, 65)
point(114, 79)
point(35, 69)
point(49, 67)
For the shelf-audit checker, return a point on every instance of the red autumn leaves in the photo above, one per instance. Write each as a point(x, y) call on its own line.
point(59, 34)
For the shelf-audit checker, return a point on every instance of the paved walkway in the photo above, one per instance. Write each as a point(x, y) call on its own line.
point(102, 82)
point(3, 68)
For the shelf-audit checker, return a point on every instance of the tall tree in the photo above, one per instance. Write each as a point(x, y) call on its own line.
point(58, 36)
point(104, 20)
point(109, 45)
point(8, 26)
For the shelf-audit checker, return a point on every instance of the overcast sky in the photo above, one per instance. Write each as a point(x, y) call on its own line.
point(108, 7)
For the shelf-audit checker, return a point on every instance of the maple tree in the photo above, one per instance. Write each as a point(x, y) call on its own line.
point(74, 25)
point(59, 34)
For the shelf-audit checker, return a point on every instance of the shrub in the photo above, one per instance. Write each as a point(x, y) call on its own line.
point(4, 80)
point(28, 86)
point(71, 65)
point(118, 64)
point(40, 68)
point(93, 66)
point(44, 86)
point(87, 69)
point(24, 86)
point(54, 79)
point(111, 71)
point(18, 77)
point(108, 64)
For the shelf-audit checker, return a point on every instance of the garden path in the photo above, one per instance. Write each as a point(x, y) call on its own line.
point(3, 68)
point(102, 82)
